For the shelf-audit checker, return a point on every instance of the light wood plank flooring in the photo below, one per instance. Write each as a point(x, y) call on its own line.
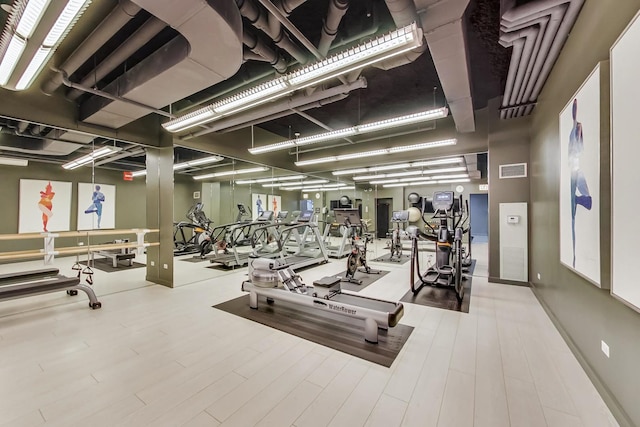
point(164, 357)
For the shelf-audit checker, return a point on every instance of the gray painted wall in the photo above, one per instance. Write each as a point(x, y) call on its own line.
point(584, 313)
point(508, 144)
point(130, 198)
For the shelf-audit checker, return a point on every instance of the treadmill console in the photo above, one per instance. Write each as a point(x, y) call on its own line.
point(443, 200)
point(305, 216)
point(400, 216)
point(347, 216)
point(265, 216)
point(282, 215)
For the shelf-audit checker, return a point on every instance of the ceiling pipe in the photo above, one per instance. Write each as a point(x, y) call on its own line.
point(285, 113)
point(260, 19)
point(103, 94)
point(121, 155)
point(403, 13)
point(277, 107)
point(119, 16)
point(560, 15)
point(139, 38)
point(257, 45)
point(317, 122)
point(277, 13)
point(337, 9)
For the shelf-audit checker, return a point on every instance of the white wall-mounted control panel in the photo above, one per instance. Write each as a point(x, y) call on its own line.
point(513, 219)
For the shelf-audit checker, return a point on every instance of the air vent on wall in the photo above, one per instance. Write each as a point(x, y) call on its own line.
point(516, 170)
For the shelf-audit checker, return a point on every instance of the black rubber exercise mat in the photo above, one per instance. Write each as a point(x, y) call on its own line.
point(105, 264)
point(367, 279)
point(331, 330)
point(441, 296)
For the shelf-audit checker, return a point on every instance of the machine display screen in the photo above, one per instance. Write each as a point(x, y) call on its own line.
point(283, 214)
point(305, 216)
point(443, 200)
point(266, 216)
point(400, 216)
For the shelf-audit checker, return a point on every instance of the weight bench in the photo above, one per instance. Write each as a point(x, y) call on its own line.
point(37, 282)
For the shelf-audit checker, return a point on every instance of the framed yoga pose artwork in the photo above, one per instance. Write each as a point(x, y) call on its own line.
point(96, 206)
point(625, 149)
point(580, 180)
point(44, 206)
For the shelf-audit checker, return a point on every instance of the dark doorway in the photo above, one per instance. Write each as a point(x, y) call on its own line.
point(383, 217)
point(479, 207)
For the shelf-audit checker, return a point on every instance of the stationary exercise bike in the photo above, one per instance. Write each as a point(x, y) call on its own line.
point(447, 270)
point(357, 259)
point(395, 244)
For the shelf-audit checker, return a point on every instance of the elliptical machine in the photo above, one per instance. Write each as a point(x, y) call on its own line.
point(357, 259)
point(395, 244)
point(447, 270)
point(200, 227)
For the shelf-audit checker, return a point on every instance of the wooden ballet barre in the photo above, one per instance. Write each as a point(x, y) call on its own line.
point(73, 250)
point(86, 233)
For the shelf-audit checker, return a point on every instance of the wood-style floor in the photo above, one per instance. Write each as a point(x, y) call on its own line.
point(164, 357)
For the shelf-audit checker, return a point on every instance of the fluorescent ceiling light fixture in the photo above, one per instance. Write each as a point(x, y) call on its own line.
point(389, 167)
point(330, 189)
point(89, 158)
point(197, 162)
point(350, 171)
point(184, 165)
point(386, 46)
point(271, 185)
point(29, 19)
point(454, 176)
point(11, 58)
point(281, 178)
point(452, 181)
point(272, 180)
point(309, 182)
point(355, 130)
point(417, 183)
point(413, 147)
point(418, 164)
point(409, 184)
point(194, 118)
point(8, 161)
point(449, 161)
point(233, 172)
point(391, 44)
point(411, 173)
point(444, 170)
point(338, 186)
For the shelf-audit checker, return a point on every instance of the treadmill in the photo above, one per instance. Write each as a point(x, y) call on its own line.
point(344, 248)
point(238, 236)
point(310, 249)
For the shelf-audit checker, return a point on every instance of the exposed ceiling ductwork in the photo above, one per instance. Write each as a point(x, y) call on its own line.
point(121, 14)
point(262, 20)
point(31, 145)
point(187, 64)
point(536, 31)
point(284, 107)
point(444, 29)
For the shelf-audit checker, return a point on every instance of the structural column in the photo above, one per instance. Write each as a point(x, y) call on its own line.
point(160, 213)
